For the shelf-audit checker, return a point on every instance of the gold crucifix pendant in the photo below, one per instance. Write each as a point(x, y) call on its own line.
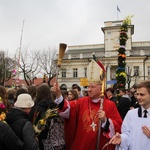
point(93, 125)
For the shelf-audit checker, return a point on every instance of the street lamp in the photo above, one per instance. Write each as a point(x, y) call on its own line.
point(145, 58)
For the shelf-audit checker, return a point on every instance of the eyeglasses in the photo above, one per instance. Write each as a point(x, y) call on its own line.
point(92, 86)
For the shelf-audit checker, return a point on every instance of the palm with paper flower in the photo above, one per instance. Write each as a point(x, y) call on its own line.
point(42, 123)
point(2, 111)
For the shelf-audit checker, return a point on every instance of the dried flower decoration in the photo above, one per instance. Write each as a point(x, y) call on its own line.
point(127, 20)
point(2, 116)
point(2, 106)
point(2, 111)
point(120, 72)
point(1, 99)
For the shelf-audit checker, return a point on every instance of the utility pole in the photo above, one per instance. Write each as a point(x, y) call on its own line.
point(19, 52)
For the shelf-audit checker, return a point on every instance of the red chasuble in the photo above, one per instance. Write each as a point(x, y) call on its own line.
point(81, 129)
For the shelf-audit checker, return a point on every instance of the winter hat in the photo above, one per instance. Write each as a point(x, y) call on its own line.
point(24, 101)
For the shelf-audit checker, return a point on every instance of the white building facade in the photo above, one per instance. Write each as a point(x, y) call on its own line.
point(77, 58)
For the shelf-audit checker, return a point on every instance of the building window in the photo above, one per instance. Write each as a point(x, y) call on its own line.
point(75, 72)
point(63, 73)
point(148, 68)
point(108, 32)
point(136, 70)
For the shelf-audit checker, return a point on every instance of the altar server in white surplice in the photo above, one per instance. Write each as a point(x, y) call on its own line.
point(135, 132)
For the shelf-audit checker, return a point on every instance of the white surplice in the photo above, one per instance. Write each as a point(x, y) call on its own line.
point(132, 137)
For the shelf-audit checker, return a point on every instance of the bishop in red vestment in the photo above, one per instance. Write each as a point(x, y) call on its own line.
point(82, 122)
point(82, 117)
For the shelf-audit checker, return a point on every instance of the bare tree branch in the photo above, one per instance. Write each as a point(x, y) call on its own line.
point(47, 63)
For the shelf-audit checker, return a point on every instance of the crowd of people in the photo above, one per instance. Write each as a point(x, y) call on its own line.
point(125, 100)
point(44, 118)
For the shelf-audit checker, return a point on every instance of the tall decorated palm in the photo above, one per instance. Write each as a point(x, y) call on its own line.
point(120, 72)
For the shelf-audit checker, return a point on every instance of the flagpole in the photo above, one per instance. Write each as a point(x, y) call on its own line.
point(117, 14)
point(118, 10)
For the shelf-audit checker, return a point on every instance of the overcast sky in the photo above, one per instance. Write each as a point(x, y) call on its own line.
point(74, 22)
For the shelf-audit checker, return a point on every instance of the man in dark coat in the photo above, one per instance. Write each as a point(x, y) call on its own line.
point(124, 103)
point(110, 94)
point(8, 139)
